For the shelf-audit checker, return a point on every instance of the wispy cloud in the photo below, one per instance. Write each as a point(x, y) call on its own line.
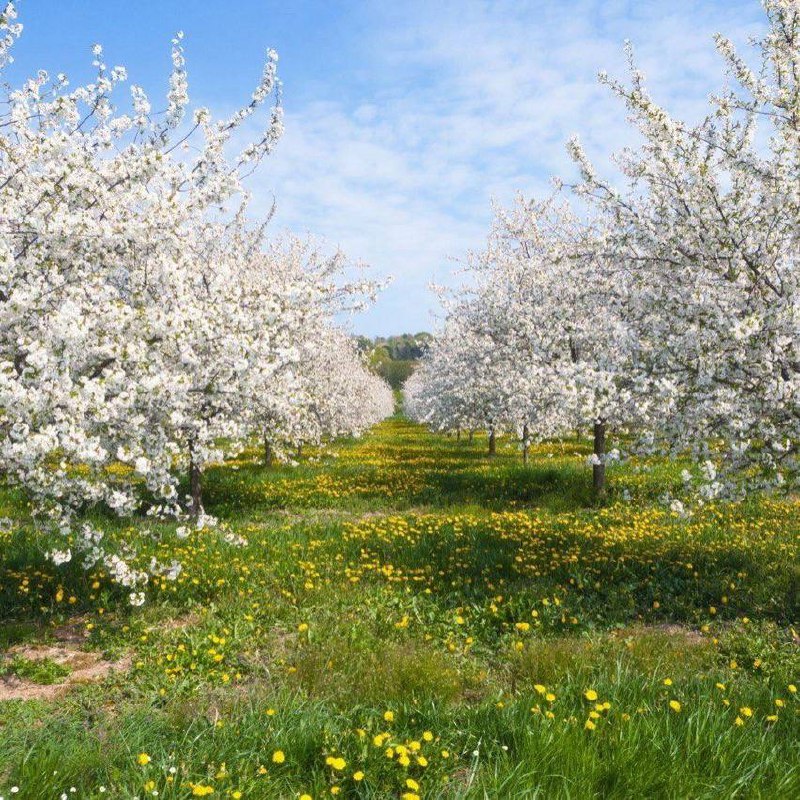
point(462, 102)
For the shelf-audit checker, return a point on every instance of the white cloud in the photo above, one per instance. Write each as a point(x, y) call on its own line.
point(467, 101)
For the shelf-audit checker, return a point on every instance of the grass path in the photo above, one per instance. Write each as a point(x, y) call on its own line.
point(402, 617)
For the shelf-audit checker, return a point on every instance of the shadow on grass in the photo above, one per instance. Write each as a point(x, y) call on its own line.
point(252, 490)
point(599, 581)
point(509, 488)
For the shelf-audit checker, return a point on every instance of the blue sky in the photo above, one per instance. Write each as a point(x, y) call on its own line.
point(405, 120)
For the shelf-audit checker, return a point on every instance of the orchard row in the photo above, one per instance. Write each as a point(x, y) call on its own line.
point(666, 306)
point(147, 326)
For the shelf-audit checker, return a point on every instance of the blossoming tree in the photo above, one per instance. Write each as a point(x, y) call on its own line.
point(138, 317)
point(708, 234)
point(673, 304)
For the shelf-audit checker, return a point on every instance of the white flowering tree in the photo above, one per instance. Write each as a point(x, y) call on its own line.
point(347, 397)
point(673, 304)
point(539, 345)
point(554, 309)
point(707, 233)
point(137, 316)
point(101, 226)
point(453, 387)
point(322, 389)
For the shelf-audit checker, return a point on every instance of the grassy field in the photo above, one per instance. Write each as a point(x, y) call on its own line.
point(402, 617)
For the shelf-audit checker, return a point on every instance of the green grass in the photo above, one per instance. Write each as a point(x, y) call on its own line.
point(42, 671)
point(475, 600)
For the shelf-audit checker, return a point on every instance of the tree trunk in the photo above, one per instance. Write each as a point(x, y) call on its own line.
point(492, 443)
point(471, 434)
point(195, 485)
point(267, 452)
point(300, 451)
point(599, 469)
point(458, 434)
point(524, 444)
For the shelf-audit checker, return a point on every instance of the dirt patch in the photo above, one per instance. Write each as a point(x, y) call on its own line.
point(73, 633)
point(84, 668)
point(178, 623)
point(681, 633)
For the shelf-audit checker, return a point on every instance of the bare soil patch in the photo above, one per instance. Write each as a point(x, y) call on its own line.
point(85, 667)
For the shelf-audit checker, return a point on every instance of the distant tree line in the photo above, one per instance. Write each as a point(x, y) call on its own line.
point(394, 358)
